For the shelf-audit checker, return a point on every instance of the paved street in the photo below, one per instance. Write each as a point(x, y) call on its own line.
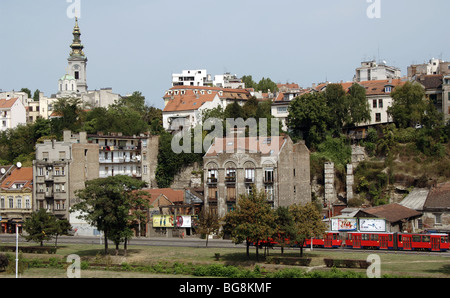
point(154, 241)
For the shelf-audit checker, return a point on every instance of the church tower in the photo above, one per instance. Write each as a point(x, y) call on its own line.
point(77, 61)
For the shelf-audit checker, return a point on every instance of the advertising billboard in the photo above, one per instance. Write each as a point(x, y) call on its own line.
point(163, 221)
point(372, 225)
point(184, 221)
point(344, 224)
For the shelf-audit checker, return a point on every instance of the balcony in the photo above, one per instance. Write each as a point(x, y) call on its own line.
point(249, 180)
point(212, 180)
point(230, 179)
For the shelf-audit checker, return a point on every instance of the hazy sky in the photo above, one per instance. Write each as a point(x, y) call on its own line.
point(136, 45)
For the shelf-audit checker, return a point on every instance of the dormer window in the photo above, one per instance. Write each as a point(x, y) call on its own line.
point(388, 89)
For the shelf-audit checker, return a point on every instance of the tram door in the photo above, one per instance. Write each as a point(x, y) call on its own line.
point(356, 241)
point(384, 241)
point(328, 240)
point(435, 243)
point(406, 242)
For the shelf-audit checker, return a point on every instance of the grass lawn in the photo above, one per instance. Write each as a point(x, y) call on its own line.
point(393, 264)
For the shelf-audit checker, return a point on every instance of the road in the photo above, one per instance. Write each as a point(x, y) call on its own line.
point(154, 241)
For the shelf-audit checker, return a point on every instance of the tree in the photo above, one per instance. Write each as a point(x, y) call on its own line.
point(266, 84)
point(308, 223)
point(249, 83)
point(62, 227)
point(309, 118)
point(253, 220)
point(40, 226)
point(207, 224)
point(285, 226)
point(358, 106)
point(27, 91)
point(107, 204)
point(408, 106)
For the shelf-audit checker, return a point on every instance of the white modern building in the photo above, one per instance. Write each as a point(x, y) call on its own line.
point(12, 113)
point(373, 71)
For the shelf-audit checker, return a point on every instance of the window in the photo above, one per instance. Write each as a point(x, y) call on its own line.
point(388, 89)
point(374, 104)
point(268, 175)
point(437, 219)
point(2, 202)
point(380, 103)
point(27, 202)
point(10, 202)
point(77, 75)
point(282, 110)
point(230, 175)
point(249, 175)
point(269, 192)
point(378, 117)
point(19, 202)
point(212, 176)
point(212, 193)
point(40, 171)
point(231, 193)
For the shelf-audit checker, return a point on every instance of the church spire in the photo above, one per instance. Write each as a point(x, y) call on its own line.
point(76, 46)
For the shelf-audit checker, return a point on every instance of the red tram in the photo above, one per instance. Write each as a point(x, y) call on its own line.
point(373, 240)
point(397, 241)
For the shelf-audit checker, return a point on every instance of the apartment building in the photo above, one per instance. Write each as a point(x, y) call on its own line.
point(12, 113)
point(373, 71)
point(15, 197)
point(135, 156)
point(60, 169)
point(240, 165)
point(184, 105)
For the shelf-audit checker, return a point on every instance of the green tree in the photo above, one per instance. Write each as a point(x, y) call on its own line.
point(308, 223)
point(36, 95)
point(266, 84)
point(408, 106)
point(285, 227)
point(207, 224)
point(358, 106)
point(27, 91)
point(309, 118)
point(249, 83)
point(62, 227)
point(106, 203)
point(253, 220)
point(40, 227)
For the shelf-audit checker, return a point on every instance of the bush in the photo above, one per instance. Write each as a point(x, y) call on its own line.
point(3, 261)
point(347, 263)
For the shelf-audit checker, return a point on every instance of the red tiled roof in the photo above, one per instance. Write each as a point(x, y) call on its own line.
point(174, 196)
point(7, 103)
point(439, 196)
point(19, 175)
point(392, 212)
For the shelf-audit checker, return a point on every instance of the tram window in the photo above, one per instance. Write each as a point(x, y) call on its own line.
point(444, 239)
point(426, 238)
point(416, 238)
point(374, 237)
point(349, 237)
point(390, 237)
point(365, 237)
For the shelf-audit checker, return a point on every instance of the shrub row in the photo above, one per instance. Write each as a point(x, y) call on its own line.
point(347, 263)
point(30, 249)
point(288, 261)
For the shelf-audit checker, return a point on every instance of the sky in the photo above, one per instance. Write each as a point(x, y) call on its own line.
point(136, 45)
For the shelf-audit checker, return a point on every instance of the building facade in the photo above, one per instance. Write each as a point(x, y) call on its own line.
point(16, 195)
point(12, 113)
point(60, 169)
point(235, 166)
point(184, 105)
point(373, 71)
point(135, 156)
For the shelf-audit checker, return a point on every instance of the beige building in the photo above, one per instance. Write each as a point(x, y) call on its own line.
point(15, 197)
point(235, 166)
point(60, 169)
